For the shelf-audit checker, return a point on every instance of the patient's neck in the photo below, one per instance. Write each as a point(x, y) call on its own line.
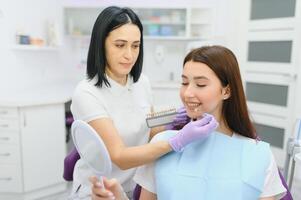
point(223, 128)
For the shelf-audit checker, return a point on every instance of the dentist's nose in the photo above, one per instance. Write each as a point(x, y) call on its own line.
point(128, 54)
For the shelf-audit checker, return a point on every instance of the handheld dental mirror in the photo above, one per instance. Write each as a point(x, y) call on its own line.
point(91, 149)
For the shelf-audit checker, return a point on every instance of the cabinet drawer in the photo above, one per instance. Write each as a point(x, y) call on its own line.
point(9, 124)
point(9, 137)
point(6, 112)
point(9, 154)
point(10, 178)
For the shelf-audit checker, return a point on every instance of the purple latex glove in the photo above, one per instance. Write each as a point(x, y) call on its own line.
point(194, 130)
point(180, 119)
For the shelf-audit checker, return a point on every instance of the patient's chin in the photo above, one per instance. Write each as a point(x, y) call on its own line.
point(194, 115)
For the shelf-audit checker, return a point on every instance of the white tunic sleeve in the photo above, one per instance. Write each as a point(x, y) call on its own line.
point(272, 184)
point(86, 105)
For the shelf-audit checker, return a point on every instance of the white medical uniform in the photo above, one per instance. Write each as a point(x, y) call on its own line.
point(127, 107)
point(145, 176)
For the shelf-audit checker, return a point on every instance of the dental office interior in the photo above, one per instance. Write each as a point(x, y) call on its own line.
point(43, 51)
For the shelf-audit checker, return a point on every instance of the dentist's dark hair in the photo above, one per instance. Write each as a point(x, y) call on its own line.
point(223, 63)
point(109, 19)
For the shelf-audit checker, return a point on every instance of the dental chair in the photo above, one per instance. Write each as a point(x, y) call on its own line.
point(69, 164)
point(288, 195)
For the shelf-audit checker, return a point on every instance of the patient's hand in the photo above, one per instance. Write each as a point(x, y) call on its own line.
point(112, 190)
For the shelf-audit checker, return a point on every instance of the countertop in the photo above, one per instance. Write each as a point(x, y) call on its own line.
point(47, 93)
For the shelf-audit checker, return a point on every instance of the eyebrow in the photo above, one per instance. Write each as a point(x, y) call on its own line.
point(120, 40)
point(196, 77)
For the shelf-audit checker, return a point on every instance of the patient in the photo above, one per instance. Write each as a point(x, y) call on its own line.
point(230, 163)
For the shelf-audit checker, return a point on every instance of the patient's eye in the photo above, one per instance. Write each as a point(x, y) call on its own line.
point(184, 83)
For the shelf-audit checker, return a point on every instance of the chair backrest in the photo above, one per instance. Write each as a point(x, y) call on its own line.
point(69, 164)
point(137, 191)
point(288, 195)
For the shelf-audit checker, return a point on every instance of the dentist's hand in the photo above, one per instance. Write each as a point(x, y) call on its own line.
point(194, 130)
point(180, 119)
point(112, 190)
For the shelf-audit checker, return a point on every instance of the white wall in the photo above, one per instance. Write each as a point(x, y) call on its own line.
point(139, 3)
point(174, 50)
point(20, 69)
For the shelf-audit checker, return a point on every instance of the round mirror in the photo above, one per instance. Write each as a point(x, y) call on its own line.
point(91, 148)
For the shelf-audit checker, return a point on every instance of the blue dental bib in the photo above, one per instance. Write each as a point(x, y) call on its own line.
point(220, 167)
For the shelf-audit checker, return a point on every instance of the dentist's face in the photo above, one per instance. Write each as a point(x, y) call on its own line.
point(122, 49)
point(201, 90)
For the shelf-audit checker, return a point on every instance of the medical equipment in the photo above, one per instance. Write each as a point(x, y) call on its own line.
point(161, 118)
point(92, 151)
point(293, 149)
point(91, 148)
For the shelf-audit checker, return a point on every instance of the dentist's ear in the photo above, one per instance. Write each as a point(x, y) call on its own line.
point(226, 92)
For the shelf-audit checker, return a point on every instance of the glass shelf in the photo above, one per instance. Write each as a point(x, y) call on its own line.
point(158, 23)
point(146, 37)
point(34, 48)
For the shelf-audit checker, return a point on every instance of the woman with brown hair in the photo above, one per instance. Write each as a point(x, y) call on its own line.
point(230, 163)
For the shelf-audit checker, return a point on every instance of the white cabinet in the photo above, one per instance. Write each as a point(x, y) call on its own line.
point(158, 23)
point(270, 55)
point(32, 150)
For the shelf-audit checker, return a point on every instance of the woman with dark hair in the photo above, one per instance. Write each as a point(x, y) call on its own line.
point(230, 163)
point(115, 98)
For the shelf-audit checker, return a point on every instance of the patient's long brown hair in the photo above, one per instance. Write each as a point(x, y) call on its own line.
point(224, 64)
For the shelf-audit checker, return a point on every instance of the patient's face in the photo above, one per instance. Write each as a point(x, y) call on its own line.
point(201, 90)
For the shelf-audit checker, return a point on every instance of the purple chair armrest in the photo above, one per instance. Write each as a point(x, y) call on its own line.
point(69, 164)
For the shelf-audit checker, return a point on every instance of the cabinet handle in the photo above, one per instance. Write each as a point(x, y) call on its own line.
point(4, 125)
point(4, 138)
point(5, 154)
point(6, 178)
point(24, 122)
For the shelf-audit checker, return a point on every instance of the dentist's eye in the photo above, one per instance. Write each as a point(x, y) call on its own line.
point(135, 46)
point(184, 83)
point(201, 85)
point(119, 45)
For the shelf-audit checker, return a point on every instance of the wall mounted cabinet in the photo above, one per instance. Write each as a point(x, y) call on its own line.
point(158, 23)
point(271, 62)
point(272, 51)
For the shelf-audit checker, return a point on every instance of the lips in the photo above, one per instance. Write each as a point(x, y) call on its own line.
point(126, 65)
point(193, 106)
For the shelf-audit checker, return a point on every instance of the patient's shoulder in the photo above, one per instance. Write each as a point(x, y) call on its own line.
point(164, 135)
